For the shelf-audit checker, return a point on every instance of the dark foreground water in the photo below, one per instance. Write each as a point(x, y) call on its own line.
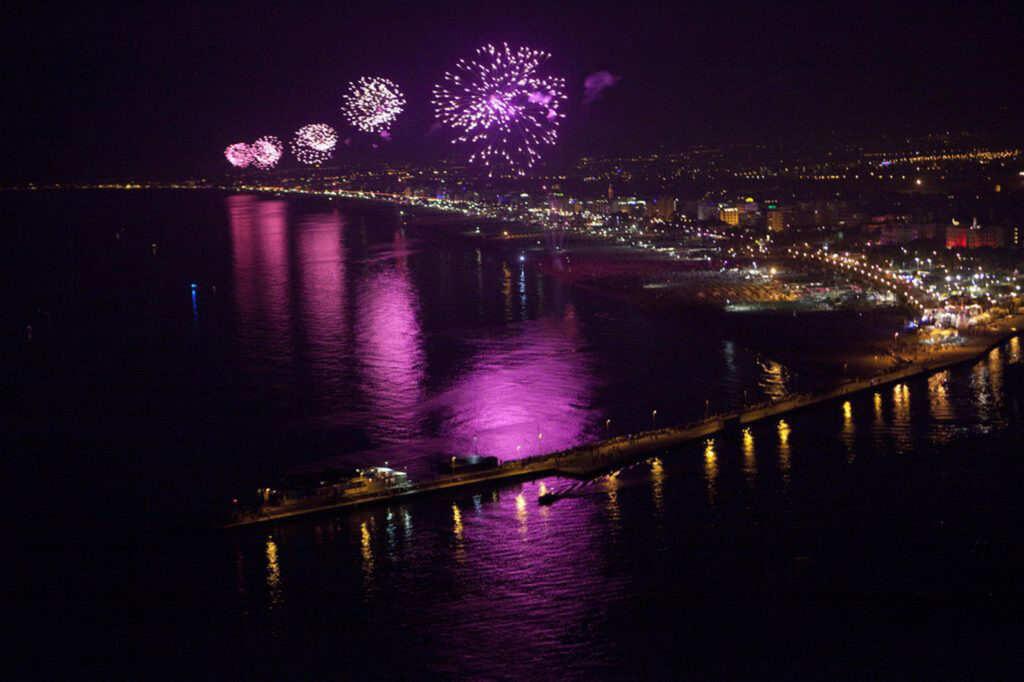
point(877, 536)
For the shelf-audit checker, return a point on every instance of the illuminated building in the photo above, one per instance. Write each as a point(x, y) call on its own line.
point(774, 219)
point(729, 215)
point(973, 237)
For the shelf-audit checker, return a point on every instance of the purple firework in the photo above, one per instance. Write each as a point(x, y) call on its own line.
point(266, 152)
point(372, 104)
point(314, 143)
point(499, 103)
point(239, 155)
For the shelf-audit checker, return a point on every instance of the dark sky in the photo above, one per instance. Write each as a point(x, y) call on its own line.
point(109, 90)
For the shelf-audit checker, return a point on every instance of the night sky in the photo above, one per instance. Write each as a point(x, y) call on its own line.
point(140, 90)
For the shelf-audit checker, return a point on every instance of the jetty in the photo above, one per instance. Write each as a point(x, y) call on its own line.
point(589, 461)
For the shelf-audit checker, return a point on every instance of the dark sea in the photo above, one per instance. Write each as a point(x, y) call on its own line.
point(166, 352)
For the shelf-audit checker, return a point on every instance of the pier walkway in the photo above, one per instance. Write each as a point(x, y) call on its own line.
point(588, 461)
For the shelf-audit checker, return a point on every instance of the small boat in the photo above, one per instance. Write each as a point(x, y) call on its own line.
point(300, 496)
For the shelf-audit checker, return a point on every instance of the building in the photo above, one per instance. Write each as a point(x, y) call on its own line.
point(973, 237)
point(706, 210)
point(904, 233)
point(559, 202)
point(729, 215)
point(774, 218)
point(663, 208)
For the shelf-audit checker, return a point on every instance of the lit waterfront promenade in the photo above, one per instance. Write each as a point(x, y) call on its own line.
point(589, 461)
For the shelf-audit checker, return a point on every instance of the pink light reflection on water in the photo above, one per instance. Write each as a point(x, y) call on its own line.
point(389, 346)
point(322, 295)
point(259, 238)
point(531, 383)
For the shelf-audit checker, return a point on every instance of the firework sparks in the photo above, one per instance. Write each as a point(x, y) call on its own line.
point(372, 104)
point(501, 105)
point(238, 155)
point(314, 143)
point(266, 152)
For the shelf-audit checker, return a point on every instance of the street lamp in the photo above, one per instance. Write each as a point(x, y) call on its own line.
point(654, 418)
point(607, 429)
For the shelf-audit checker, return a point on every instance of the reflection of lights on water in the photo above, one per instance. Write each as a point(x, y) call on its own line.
point(711, 470)
point(273, 573)
point(901, 416)
point(389, 528)
point(457, 518)
point(1015, 354)
point(611, 485)
point(773, 380)
point(543, 490)
point(995, 373)
point(460, 549)
point(406, 523)
point(365, 548)
point(521, 513)
point(939, 405)
point(901, 402)
point(848, 429)
point(749, 459)
point(878, 407)
point(784, 449)
point(658, 484)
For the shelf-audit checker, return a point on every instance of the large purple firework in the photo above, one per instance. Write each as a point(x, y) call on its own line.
point(314, 143)
point(266, 152)
point(372, 104)
point(499, 103)
point(238, 155)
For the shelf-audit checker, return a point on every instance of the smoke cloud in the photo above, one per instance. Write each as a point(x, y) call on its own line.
point(596, 83)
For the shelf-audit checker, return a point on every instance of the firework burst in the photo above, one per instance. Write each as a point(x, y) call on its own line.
point(314, 143)
point(500, 104)
point(266, 152)
point(372, 104)
point(238, 155)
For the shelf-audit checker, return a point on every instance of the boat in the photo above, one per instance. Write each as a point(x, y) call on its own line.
point(304, 496)
point(547, 499)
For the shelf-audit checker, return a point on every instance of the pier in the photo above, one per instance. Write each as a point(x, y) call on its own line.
point(585, 462)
